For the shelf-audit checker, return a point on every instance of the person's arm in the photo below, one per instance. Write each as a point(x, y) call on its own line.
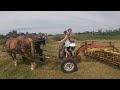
point(71, 36)
point(63, 40)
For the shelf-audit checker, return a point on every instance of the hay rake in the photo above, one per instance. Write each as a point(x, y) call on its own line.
point(109, 54)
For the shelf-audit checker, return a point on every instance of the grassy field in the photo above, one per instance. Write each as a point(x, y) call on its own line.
point(87, 68)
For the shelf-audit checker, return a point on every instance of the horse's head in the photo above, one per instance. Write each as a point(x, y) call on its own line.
point(43, 41)
point(42, 38)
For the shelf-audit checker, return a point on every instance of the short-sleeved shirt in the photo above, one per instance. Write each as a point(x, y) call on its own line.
point(70, 42)
point(67, 43)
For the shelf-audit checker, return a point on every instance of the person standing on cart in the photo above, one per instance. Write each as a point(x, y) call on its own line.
point(71, 38)
point(68, 41)
point(65, 44)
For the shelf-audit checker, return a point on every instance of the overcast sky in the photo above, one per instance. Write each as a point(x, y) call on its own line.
point(54, 22)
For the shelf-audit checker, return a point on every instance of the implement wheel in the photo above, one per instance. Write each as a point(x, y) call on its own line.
point(68, 65)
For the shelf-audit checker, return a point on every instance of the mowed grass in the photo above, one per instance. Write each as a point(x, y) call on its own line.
point(87, 68)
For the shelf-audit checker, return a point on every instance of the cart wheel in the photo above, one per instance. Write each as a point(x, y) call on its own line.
point(68, 66)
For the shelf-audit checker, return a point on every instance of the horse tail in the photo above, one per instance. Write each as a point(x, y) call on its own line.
point(32, 47)
point(3, 47)
point(4, 43)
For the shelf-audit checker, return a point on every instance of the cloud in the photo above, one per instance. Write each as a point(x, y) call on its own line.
point(57, 21)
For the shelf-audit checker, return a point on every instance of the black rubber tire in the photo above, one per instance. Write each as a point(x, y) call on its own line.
point(68, 61)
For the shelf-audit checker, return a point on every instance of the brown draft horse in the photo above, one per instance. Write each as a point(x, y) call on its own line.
point(22, 45)
point(39, 39)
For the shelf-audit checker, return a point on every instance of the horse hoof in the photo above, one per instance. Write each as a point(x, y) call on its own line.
point(16, 65)
point(32, 69)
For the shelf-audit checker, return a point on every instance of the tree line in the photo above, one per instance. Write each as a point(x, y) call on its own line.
point(100, 32)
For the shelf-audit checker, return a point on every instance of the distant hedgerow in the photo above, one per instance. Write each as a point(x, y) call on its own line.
point(58, 37)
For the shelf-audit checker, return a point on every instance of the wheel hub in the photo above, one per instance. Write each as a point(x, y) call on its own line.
point(69, 66)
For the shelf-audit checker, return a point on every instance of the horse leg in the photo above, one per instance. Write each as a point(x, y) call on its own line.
point(37, 47)
point(39, 50)
point(33, 63)
point(13, 57)
point(15, 60)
